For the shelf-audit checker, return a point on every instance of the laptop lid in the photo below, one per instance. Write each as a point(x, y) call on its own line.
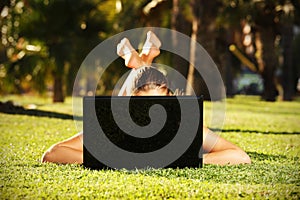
point(141, 132)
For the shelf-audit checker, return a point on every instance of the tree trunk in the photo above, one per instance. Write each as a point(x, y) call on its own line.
point(268, 62)
point(206, 11)
point(178, 23)
point(190, 76)
point(58, 94)
point(225, 39)
point(71, 76)
point(288, 79)
point(228, 74)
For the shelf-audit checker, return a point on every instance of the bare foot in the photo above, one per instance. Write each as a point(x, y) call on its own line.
point(129, 54)
point(150, 48)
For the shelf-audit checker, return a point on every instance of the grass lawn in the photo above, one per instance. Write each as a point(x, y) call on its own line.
point(268, 132)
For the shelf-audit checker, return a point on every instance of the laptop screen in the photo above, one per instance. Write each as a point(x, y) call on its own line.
point(141, 132)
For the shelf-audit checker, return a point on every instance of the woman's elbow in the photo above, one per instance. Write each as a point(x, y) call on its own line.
point(46, 157)
point(244, 158)
point(62, 154)
point(55, 154)
point(50, 155)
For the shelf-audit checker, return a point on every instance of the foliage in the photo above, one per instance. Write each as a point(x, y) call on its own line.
point(269, 132)
point(21, 61)
point(64, 29)
point(46, 41)
point(271, 37)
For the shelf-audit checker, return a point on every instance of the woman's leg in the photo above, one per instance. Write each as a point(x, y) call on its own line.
point(151, 48)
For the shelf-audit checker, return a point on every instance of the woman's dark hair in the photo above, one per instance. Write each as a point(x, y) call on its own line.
point(146, 78)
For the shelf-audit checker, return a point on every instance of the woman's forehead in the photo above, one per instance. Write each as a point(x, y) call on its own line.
point(153, 92)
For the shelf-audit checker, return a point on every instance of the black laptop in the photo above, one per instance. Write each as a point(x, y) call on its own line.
point(141, 132)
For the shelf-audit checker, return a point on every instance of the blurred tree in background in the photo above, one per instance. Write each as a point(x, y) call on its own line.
point(43, 42)
point(65, 29)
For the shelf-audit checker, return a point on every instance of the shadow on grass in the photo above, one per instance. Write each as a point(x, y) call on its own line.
point(254, 131)
point(262, 157)
point(9, 108)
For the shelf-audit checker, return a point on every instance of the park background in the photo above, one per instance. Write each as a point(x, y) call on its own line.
point(254, 43)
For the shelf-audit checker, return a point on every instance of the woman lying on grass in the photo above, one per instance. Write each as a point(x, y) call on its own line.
point(148, 81)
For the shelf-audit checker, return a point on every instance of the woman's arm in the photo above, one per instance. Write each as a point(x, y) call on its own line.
point(68, 151)
point(220, 151)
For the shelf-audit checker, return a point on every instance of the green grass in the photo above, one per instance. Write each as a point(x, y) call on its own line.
point(269, 132)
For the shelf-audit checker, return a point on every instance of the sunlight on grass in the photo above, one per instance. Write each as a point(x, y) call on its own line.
point(269, 132)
